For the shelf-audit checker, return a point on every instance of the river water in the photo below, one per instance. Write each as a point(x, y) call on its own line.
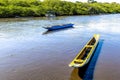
point(29, 52)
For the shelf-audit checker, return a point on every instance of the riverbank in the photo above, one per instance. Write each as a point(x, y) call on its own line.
point(36, 8)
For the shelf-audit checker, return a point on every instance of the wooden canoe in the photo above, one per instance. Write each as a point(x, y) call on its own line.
point(56, 27)
point(85, 54)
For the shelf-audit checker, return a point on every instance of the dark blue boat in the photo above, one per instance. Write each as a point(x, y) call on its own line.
point(56, 27)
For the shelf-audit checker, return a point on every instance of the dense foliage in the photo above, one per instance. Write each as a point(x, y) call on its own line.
point(25, 8)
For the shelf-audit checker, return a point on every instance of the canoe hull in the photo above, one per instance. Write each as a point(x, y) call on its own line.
point(57, 27)
point(84, 56)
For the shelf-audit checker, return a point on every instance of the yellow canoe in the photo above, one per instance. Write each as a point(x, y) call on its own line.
point(85, 54)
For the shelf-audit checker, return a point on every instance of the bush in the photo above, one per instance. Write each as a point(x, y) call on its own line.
point(36, 8)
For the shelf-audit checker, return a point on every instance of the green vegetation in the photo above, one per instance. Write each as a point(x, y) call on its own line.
point(27, 8)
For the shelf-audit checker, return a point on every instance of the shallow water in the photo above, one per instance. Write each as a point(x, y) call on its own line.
point(29, 52)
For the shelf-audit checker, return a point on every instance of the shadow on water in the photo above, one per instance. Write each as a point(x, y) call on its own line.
point(87, 72)
point(53, 31)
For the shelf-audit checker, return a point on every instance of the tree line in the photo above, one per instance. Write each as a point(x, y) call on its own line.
point(37, 8)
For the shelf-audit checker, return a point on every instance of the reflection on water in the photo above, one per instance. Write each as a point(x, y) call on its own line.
point(28, 51)
point(87, 72)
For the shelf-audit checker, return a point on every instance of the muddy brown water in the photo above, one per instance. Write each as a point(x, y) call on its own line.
point(29, 52)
